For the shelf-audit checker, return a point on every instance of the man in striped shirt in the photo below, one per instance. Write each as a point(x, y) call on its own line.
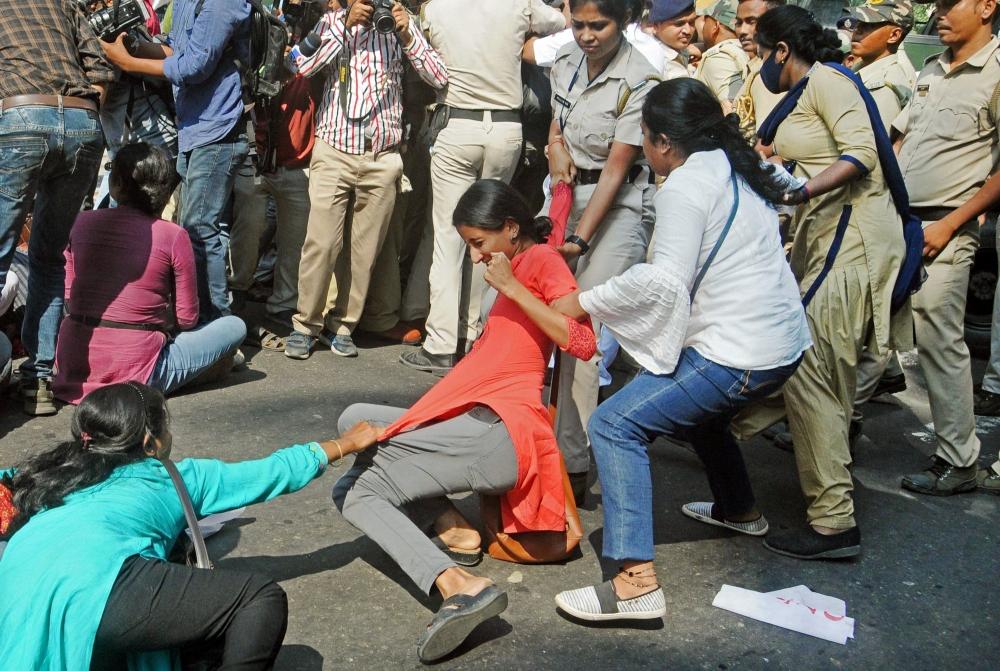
point(358, 133)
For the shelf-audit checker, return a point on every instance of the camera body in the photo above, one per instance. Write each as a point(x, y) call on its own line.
point(109, 23)
point(302, 15)
point(382, 19)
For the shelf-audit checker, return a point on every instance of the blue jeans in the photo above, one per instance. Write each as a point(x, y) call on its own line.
point(207, 177)
point(48, 157)
point(192, 352)
point(695, 403)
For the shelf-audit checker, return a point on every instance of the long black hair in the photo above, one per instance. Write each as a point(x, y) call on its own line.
point(689, 114)
point(490, 203)
point(146, 175)
point(799, 30)
point(109, 430)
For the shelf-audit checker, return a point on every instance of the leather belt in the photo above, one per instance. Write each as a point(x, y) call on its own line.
point(932, 213)
point(585, 176)
point(499, 116)
point(95, 322)
point(47, 101)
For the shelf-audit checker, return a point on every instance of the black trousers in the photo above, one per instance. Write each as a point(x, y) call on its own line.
point(217, 619)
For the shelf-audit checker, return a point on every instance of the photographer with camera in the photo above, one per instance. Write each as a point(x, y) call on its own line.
point(52, 78)
point(207, 42)
point(358, 134)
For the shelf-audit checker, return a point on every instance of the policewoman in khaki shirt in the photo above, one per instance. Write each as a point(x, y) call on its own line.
point(479, 122)
point(829, 136)
point(599, 82)
point(948, 149)
point(723, 64)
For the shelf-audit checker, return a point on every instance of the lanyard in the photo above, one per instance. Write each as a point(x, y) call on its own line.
point(567, 108)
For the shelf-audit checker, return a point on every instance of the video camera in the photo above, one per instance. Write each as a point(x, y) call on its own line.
point(302, 15)
point(111, 20)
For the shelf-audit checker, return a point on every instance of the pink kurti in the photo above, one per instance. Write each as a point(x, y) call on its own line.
point(123, 266)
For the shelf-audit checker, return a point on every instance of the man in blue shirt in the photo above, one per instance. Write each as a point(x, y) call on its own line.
point(199, 59)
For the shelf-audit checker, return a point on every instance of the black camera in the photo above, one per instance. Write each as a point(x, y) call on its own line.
point(382, 18)
point(302, 15)
point(121, 16)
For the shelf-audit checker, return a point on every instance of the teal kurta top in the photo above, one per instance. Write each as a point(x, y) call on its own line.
point(57, 571)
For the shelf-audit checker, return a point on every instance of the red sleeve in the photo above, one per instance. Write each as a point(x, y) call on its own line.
point(185, 281)
point(553, 280)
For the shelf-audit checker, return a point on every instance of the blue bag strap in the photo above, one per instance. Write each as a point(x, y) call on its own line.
point(831, 255)
point(722, 236)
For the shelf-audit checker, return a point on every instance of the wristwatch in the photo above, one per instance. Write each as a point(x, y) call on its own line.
point(579, 242)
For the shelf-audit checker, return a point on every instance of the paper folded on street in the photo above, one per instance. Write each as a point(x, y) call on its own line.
point(213, 524)
point(797, 608)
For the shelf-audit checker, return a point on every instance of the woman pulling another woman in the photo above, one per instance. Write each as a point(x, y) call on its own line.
point(714, 319)
point(85, 575)
point(483, 428)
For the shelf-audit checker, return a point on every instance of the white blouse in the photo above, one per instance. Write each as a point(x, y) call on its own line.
point(747, 313)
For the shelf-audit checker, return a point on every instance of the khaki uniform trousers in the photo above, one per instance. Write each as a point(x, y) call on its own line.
point(290, 189)
point(333, 285)
point(620, 243)
point(464, 152)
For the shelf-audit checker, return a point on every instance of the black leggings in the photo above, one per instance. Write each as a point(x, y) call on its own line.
point(237, 618)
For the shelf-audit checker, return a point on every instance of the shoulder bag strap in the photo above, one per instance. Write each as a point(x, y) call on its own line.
point(722, 237)
point(202, 559)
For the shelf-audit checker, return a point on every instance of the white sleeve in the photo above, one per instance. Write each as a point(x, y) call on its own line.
point(547, 47)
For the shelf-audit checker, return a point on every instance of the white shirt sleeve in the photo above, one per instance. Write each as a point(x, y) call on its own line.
point(547, 47)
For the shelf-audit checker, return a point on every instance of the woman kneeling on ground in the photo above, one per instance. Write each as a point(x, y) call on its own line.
point(714, 319)
point(483, 428)
point(132, 294)
point(85, 576)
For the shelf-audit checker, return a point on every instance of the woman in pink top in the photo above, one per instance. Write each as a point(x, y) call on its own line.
point(131, 292)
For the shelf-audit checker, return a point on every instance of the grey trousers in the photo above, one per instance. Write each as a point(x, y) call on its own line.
point(396, 489)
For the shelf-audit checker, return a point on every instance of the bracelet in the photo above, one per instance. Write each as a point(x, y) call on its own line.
point(558, 140)
point(579, 242)
point(340, 450)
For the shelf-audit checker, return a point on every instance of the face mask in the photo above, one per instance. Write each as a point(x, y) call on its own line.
point(770, 73)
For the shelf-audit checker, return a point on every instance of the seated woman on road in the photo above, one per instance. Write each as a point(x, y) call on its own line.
point(483, 428)
point(714, 319)
point(131, 291)
point(85, 575)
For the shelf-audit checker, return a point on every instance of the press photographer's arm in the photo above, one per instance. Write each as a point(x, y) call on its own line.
point(147, 58)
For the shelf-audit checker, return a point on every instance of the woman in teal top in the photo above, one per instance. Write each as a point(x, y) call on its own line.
point(84, 577)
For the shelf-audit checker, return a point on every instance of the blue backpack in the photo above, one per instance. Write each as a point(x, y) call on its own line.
point(911, 273)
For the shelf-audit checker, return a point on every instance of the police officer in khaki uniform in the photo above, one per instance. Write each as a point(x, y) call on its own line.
point(599, 82)
point(672, 23)
point(724, 62)
point(480, 137)
point(948, 149)
point(754, 101)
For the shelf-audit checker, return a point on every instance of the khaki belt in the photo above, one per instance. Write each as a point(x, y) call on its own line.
point(498, 116)
point(47, 101)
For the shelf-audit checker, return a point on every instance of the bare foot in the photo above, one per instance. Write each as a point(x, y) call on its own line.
point(635, 579)
point(827, 531)
point(455, 531)
point(456, 580)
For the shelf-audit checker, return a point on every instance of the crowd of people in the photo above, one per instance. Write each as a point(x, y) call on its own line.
point(752, 212)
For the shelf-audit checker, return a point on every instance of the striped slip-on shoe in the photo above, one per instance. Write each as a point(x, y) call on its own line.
point(709, 513)
point(600, 602)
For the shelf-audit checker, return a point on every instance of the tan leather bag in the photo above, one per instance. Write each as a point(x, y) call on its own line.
point(532, 547)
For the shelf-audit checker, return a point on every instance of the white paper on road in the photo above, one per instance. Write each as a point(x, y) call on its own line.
point(796, 608)
point(213, 524)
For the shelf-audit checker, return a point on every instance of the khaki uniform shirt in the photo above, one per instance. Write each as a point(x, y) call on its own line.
point(950, 129)
point(480, 43)
point(754, 101)
point(588, 112)
point(831, 122)
point(890, 81)
point(675, 65)
point(722, 69)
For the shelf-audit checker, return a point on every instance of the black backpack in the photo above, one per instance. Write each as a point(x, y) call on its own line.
point(263, 75)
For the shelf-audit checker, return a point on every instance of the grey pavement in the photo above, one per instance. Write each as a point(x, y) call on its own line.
point(923, 594)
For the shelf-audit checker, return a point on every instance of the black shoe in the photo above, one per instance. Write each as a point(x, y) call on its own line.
point(942, 479)
point(986, 403)
point(421, 359)
point(578, 482)
point(890, 384)
point(808, 544)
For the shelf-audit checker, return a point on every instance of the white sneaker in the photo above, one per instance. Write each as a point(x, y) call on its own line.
point(702, 511)
point(600, 602)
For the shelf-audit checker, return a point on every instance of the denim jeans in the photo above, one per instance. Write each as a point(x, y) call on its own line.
point(207, 177)
point(192, 352)
point(48, 162)
point(695, 403)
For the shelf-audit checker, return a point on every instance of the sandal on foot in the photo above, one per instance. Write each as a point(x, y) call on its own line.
point(458, 616)
point(709, 513)
point(264, 338)
point(460, 557)
point(600, 602)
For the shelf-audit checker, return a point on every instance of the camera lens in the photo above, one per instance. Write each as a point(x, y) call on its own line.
point(383, 21)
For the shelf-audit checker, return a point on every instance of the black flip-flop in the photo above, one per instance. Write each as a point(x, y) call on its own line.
point(460, 557)
point(458, 616)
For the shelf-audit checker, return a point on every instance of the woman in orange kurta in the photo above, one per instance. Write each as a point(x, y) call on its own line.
point(483, 428)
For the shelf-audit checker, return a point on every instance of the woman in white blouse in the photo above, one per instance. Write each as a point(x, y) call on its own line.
point(715, 320)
